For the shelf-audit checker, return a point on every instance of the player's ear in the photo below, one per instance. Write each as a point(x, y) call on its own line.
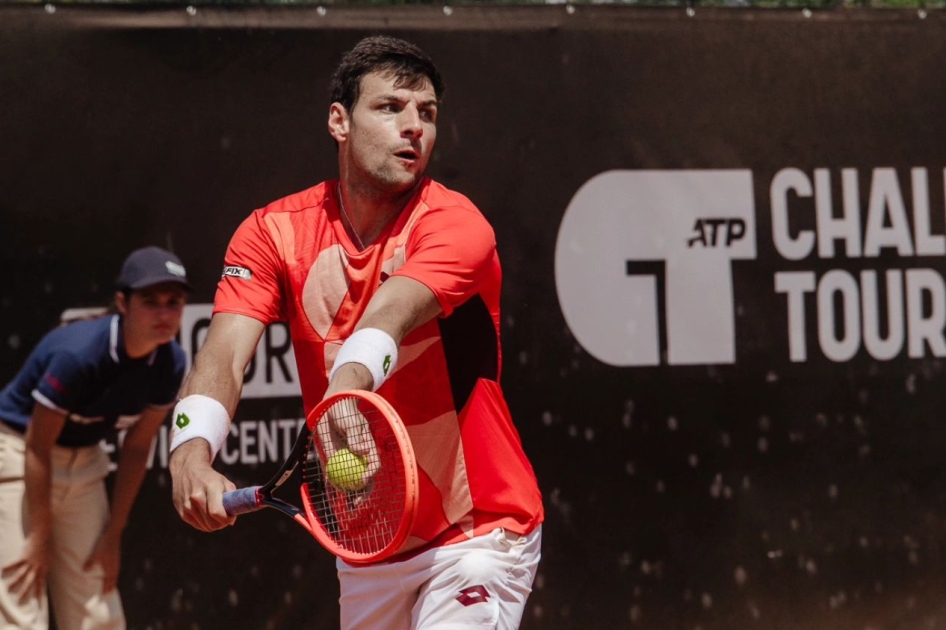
point(338, 122)
point(120, 303)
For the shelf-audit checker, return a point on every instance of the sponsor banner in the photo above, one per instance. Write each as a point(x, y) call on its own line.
point(645, 264)
point(272, 372)
point(251, 442)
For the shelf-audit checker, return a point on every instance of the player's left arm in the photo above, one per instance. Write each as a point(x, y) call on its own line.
point(448, 251)
point(132, 463)
point(400, 305)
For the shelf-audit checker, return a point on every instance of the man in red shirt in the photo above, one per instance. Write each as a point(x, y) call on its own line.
point(389, 282)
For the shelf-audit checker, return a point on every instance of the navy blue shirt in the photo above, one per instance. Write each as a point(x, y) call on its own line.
point(82, 370)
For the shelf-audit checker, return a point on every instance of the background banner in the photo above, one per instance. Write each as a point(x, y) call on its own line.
point(722, 233)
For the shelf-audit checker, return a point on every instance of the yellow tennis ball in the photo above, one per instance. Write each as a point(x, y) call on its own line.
point(346, 471)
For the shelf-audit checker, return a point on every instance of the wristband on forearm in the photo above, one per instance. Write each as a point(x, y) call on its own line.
point(372, 348)
point(198, 416)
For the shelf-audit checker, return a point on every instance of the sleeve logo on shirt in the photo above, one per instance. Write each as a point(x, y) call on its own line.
point(237, 272)
point(387, 364)
point(54, 383)
point(182, 420)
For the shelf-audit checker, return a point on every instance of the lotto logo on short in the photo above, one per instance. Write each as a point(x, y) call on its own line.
point(849, 268)
point(643, 264)
point(473, 595)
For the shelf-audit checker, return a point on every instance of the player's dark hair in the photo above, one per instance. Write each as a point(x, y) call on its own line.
point(409, 65)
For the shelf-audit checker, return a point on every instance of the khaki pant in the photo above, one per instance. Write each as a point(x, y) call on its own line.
point(80, 512)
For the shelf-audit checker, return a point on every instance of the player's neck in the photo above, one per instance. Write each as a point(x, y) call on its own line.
point(367, 214)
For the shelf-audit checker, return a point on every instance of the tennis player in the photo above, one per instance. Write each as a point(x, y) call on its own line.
point(390, 282)
point(83, 380)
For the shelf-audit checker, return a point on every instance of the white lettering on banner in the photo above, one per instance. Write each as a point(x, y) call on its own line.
point(250, 442)
point(644, 260)
point(860, 303)
point(785, 181)
point(887, 222)
point(631, 241)
point(260, 441)
point(272, 372)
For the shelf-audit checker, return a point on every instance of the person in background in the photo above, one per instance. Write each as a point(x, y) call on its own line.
point(121, 371)
point(390, 282)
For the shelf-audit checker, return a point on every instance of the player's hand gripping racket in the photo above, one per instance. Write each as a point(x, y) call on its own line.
point(359, 478)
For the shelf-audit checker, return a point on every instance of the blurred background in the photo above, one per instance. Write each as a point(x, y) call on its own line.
point(722, 234)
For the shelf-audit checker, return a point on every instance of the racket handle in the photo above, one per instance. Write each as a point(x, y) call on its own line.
point(242, 501)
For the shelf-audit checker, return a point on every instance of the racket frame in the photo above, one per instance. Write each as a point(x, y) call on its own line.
point(410, 480)
point(254, 498)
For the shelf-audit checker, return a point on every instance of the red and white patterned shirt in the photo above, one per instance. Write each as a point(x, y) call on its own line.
point(303, 269)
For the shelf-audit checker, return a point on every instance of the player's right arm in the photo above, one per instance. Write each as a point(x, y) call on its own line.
point(218, 374)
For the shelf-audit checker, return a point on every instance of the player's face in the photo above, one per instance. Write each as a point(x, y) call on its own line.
point(153, 314)
point(390, 134)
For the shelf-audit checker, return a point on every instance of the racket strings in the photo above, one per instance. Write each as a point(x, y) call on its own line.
point(361, 520)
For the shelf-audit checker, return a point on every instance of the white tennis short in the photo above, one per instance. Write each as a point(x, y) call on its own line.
point(480, 583)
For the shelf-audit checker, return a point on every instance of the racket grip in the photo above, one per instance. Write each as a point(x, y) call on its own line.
point(242, 501)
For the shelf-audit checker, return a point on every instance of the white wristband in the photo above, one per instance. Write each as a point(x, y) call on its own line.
point(372, 348)
point(198, 416)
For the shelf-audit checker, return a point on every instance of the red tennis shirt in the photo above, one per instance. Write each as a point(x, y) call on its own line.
point(293, 261)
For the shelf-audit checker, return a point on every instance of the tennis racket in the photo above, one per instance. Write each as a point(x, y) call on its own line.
point(359, 479)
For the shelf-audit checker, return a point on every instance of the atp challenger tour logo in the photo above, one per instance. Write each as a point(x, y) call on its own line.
point(644, 256)
point(644, 264)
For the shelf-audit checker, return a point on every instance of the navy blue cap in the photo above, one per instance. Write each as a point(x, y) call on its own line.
point(149, 266)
